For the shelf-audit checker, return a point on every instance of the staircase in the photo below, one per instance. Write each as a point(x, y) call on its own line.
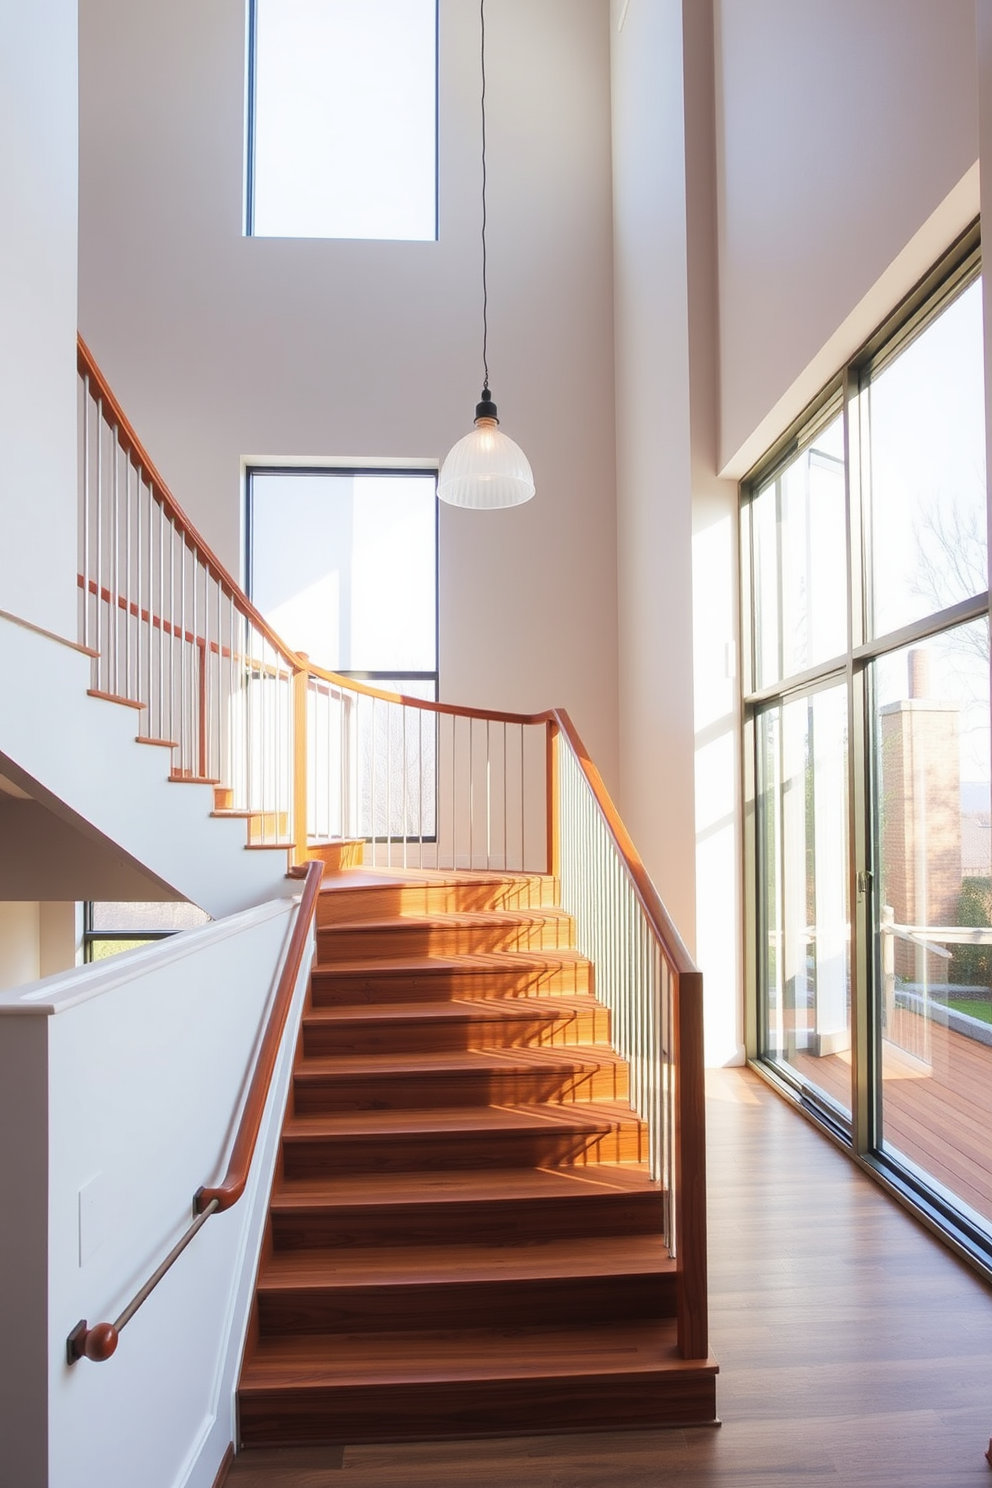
point(463, 1237)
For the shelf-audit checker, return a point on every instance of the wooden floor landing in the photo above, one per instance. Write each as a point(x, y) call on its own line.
point(855, 1351)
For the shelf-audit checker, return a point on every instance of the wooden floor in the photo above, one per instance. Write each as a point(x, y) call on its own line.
point(855, 1351)
point(937, 1102)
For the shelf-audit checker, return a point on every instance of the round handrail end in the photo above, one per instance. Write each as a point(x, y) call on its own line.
point(100, 1342)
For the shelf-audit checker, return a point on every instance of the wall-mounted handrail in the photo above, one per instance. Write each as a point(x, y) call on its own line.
point(99, 1342)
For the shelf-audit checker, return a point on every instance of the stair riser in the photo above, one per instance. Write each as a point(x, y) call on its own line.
point(408, 1412)
point(550, 1301)
point(374, 903)
point(433, 1090)
point(356, 943)
point(500, 1221)
point(430, 1152)
point(334, 989)
point(424, 1037)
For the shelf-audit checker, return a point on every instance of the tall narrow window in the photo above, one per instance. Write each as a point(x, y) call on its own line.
point(867, 700)
point(342, 119)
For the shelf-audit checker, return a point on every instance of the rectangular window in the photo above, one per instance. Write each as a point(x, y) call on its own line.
point(342, 119)
point(343, 564)
point(110, 927)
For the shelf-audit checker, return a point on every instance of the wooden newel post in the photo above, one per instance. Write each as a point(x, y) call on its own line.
point(301, 681)
point(690, 1167)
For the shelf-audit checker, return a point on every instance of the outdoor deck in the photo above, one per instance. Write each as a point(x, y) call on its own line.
point(937, 1103)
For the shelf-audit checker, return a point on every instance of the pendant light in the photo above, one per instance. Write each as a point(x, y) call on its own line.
point(485, 469)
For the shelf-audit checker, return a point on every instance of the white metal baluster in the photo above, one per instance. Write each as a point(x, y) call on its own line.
point(489, 800)
point(454, 845)
point(86, 510)
point(406, 824)
point(127, 575)
point(98, 624)
point(523, 824)
point(389, 786)
point(420, 784)
point(113, 632)
point(506, 804)
point(471, 793)
point(138, 627)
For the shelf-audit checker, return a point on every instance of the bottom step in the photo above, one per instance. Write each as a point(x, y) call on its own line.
point(480, 1382)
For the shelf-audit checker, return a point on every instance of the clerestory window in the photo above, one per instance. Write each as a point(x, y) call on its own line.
point(342, 119)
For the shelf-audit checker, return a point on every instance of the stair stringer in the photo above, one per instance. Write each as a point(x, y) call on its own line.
point(79, 754)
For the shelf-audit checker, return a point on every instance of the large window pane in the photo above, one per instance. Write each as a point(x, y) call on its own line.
point(934, 910)
point(803, 891)
point(798, 522)
point(926, 467)
point(344, 119)
point(345, 567)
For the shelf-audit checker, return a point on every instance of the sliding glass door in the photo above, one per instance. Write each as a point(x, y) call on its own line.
point(868, 748)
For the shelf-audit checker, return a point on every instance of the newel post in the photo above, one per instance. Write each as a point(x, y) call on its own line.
point(690, 1166)
point(301, 682)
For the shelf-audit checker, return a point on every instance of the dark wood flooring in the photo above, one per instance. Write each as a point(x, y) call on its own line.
point(855, 1351)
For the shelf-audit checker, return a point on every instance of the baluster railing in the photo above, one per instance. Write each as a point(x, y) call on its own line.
point(647, 979)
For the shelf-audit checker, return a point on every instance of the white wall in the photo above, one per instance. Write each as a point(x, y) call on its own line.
point(122, 1102)
point(677, 550)
point(222, 347)
point(654, 522)
point(38, 148)
point(843, 127)
point(19, 951)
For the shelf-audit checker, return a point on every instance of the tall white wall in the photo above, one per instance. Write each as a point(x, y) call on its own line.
point(654, 462)
point(783, 174)
point(222, 347)
point(38, 150)
point(843, 127)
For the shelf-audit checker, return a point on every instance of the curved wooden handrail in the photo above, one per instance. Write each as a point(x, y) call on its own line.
point(658, 916)
point(428, 705)
point(99, 1342)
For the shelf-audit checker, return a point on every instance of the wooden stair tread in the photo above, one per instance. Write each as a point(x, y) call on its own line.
point(591, 1116)
point(468, 961)
point(458, 1010)
point(562, 1058)
point(513, 1185)
point(429, 1265)
point(351, 1360)
point(451, 919)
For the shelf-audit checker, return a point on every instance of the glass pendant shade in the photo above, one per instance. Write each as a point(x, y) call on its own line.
point(486, 470)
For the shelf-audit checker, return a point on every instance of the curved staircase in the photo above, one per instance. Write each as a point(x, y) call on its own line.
point(463, 1236)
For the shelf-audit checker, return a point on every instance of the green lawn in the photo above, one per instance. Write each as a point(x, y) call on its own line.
point(974, 1007)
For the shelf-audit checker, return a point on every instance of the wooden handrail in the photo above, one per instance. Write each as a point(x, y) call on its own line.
point(100, 1342)
point(232, 1186)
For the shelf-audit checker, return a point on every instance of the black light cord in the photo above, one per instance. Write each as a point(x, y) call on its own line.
point(485, 287)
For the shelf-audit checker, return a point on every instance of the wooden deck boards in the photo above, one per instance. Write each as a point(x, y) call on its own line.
point(936, 1113)
point(855, 1351)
